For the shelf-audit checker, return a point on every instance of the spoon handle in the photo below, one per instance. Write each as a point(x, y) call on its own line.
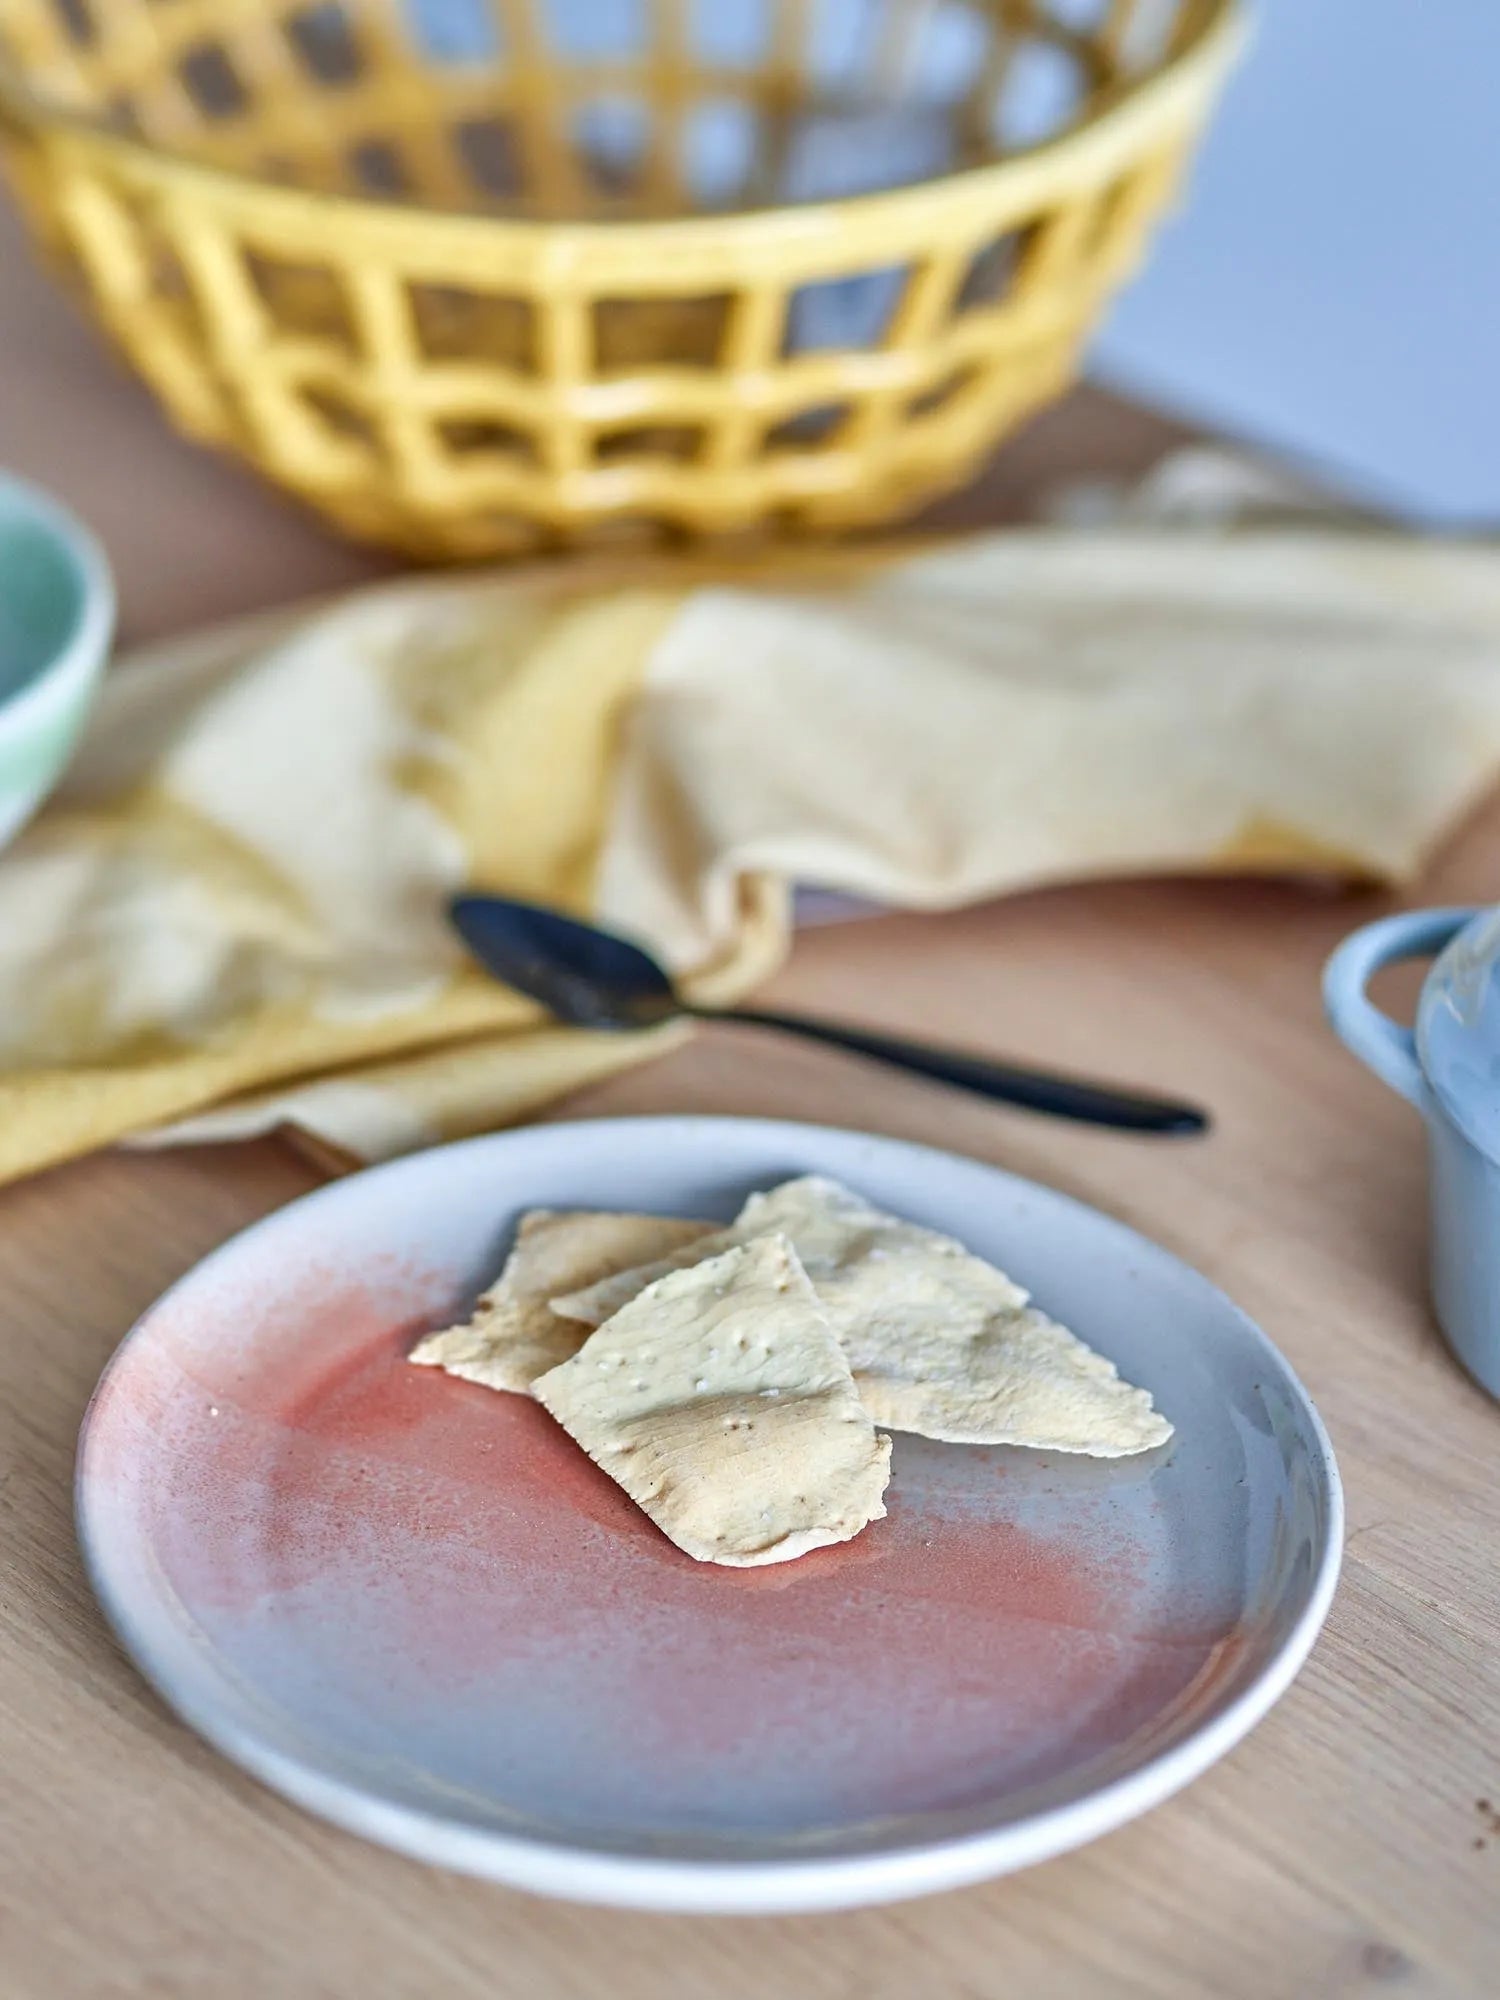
point(1033, 1090)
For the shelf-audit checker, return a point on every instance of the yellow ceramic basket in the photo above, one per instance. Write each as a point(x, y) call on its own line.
point(472, 276)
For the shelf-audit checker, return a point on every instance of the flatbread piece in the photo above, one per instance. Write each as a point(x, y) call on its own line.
point(939, 1341)
point(721, 1401)
point(511, 1337)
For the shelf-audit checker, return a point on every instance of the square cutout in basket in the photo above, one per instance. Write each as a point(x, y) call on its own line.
point(478, 439)
point(839, 41)
point(730, 34)
point(853, 314)
point(611, 136)
point(671, 444)
point(809, 430)
point(376, 167)
point(162, 271)
point(597, 30)
point(491, 154)
point(78, 22)
point(325, 44)
point(453, 323)
point(212, 82)
point(1083, 17)
point(722, 143)
point(947, 389)
point(948, 45)
point(177, 313)
point(303, 301)
point(1044, 90)
point(338, 417)
point(454, 31)
point(659, 333)
point(995, 271)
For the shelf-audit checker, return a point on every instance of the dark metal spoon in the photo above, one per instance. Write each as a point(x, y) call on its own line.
point(592, 979)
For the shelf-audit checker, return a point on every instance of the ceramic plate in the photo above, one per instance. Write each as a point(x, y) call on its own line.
point(415, 1607)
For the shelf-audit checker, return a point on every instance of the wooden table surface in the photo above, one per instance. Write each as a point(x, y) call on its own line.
point(1348, 1847)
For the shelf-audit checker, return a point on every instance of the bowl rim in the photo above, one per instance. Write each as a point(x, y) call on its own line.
point(1217, 31)
point(81, 654)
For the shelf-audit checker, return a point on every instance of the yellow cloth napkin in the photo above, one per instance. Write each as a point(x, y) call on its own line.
point(233, 913)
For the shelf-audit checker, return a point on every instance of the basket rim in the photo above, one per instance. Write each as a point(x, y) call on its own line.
point(1179, 85)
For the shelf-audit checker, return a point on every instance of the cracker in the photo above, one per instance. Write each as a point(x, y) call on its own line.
point(511, 1337)
point(721, 1401)
point(939, 1341)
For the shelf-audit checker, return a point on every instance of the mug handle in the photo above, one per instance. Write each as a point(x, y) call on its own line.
point(1382, 1044)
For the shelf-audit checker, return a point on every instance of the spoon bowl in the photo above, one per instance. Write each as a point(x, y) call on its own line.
point(583, 976)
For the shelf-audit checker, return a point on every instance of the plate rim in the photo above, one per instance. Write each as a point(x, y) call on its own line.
point(601, 1876)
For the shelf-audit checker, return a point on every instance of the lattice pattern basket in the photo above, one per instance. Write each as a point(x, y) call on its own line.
point(473, 276)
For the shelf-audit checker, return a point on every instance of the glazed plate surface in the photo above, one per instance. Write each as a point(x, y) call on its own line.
point(416, 1608)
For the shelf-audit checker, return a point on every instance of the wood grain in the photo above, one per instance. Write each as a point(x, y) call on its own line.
point(1335, 1852)
point(1342, 1850)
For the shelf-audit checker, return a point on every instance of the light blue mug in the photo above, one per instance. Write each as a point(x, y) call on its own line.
point(1448, 1066)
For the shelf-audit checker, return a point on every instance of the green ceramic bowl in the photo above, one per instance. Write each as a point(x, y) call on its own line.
point(57, 615)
